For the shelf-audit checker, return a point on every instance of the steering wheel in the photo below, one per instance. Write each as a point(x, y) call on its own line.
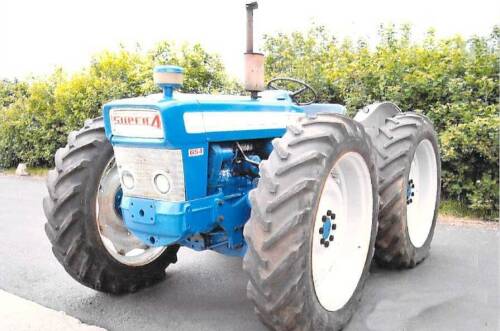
point(294, 94)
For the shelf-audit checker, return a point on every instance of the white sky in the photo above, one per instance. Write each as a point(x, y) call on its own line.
point(38, 35)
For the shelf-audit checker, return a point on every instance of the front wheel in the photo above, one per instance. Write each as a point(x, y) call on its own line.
point(84, 225)
point(312, 229)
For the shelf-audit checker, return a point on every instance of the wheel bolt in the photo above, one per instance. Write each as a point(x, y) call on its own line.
point(320, 230)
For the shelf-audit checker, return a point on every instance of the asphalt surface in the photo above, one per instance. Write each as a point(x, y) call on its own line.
point(456, 288)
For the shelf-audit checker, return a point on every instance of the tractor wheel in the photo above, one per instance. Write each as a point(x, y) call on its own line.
point(409, 170)
point(84, 224)
point(313, 224)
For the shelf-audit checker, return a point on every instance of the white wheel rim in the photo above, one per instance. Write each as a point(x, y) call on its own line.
point(421, 193)
point(118, 241)
point(337, 269)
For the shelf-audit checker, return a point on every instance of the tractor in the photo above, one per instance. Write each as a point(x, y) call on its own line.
point(306, 195)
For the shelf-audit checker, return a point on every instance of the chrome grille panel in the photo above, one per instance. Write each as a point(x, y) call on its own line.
point(144, 164)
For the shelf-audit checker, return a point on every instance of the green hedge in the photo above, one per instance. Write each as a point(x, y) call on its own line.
point(36, 116)
point(453, 81)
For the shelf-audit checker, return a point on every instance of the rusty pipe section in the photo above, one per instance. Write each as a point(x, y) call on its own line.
point(254, 62)
point(250, 8)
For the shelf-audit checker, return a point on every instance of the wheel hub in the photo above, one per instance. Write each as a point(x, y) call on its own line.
point(410, 192)
point(339, 259)
point(327, 230)
point(117, 239)
point(421, 193)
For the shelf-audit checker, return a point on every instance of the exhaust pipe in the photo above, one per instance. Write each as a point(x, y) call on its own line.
point(250, 8)
point(254, 62)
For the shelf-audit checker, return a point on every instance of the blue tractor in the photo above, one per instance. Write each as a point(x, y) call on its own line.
point(306, 195)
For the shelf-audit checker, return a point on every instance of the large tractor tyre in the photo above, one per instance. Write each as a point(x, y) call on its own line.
point(313, 225)
point(84, 224)
point(409, 170)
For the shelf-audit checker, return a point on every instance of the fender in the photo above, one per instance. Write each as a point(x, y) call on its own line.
point(373, 116)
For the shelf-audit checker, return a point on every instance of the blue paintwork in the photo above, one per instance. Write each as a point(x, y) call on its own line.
point(160, 223)
point(168, 68)
point(216, 206)
point(118, 201)
point(176, 137)
point(410, 191)
point(327, 227)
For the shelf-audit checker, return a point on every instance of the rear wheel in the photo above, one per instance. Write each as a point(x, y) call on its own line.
point(409, 171)
point(84, 220)
point(313, 224)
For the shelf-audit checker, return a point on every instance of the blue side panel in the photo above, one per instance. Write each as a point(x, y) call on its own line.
point(195, 171)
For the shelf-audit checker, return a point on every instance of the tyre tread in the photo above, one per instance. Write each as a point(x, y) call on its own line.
point(393, 145)
point(286, 187)
point(64, 207)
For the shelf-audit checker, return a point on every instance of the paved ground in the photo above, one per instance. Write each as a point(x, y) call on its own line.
point(23, 315)
point(457, 288)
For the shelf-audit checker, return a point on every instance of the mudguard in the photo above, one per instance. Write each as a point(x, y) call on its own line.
point(373, 116)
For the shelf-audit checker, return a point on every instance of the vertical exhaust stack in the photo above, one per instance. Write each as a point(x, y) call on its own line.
point(254, 62)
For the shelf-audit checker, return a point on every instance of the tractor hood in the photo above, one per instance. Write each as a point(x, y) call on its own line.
point(186, 125)
point(186, 119)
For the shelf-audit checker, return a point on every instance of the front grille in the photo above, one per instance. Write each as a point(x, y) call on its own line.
point(144, 164)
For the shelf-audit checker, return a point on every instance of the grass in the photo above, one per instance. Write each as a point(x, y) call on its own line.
point(457, 209)
point(37, 172)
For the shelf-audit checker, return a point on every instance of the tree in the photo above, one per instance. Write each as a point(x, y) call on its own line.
point(36, 117)
point(453, 81)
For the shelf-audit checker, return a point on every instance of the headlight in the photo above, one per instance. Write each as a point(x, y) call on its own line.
point(128, 180)
point(161, 182)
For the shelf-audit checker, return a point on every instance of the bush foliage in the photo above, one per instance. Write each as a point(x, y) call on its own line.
point(36, 116)
point(453, 81)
